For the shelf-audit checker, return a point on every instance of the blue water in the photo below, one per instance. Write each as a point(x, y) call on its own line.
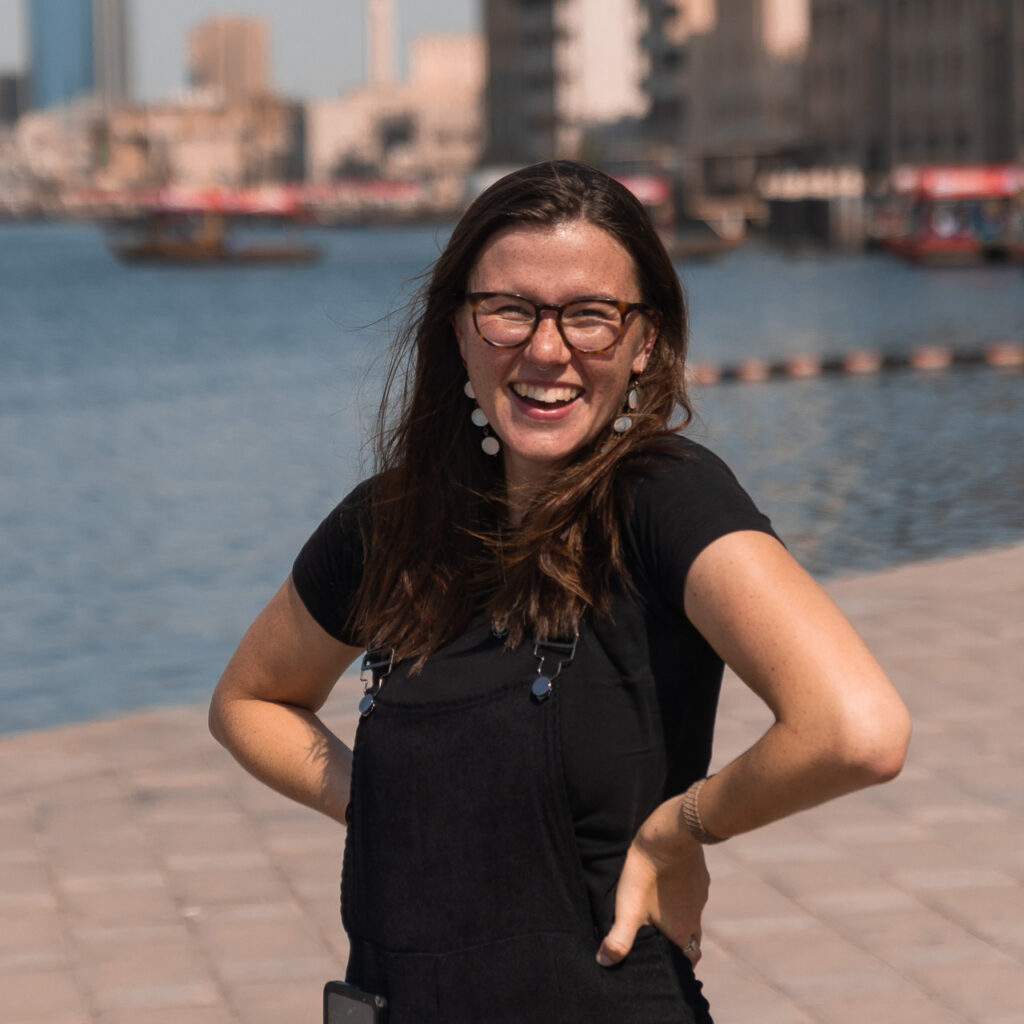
point(169, 437)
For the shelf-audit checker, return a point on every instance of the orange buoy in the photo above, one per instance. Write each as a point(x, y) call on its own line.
point(931, 357)
point(753, 370)
point(704, 373)
point(803, 365)
point(1005, 353)
point(862, 360)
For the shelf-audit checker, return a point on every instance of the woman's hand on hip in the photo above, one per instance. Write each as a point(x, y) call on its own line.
point(664, 882)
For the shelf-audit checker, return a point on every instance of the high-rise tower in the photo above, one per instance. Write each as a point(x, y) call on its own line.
point(61, 51)
point(380, 42)
point(110, 31)
point(228, 54)
point(78, 48)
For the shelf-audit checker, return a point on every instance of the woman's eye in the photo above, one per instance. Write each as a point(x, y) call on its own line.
point(592, 311)
point(510, 309)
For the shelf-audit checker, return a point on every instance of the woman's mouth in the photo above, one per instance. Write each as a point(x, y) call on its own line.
point(546, 396)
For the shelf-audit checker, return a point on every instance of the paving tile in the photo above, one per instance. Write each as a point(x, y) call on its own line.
point(181, 997)
point(981, 992)
point(145, 968)
point(919, 938)
point(23, 877)
point(228, 885)
point(263, 1002)
point(124, 900)
point(994, 913)
point(736, 997)
point(40, 997)
point(919, 848)
point(32, 941)
point(887, 1008)
point(968, 876)
point(856, 899)
point(173, 1015)
point(815, 986)
point(747, 895)
point(253, 948)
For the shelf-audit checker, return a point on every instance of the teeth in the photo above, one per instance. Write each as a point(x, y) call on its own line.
point(546, 394)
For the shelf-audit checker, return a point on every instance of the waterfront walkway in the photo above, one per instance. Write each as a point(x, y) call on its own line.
point(145, 879)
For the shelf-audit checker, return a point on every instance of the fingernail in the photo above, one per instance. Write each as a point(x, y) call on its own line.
point(603, 959)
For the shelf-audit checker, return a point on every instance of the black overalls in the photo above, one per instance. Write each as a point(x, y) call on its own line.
point(463, 894)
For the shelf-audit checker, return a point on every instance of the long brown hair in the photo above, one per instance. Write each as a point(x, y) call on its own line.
point(436, 547)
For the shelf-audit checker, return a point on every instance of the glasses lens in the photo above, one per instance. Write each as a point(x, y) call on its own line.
point(505, 319)
point(591, 325)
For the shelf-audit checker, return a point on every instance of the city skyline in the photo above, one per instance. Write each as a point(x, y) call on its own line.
point(320, 51)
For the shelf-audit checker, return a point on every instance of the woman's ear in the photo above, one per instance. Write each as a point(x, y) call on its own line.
point(649, 340)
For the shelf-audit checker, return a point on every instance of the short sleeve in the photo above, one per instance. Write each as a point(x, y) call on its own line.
point(687, 498)
point(329, 568)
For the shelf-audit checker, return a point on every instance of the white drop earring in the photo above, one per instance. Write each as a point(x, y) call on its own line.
point(490, 444)
point(623, 422)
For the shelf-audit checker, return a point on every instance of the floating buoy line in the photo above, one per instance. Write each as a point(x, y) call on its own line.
point(860, 362)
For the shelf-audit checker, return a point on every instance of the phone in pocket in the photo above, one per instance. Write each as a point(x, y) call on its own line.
point(345, 1004)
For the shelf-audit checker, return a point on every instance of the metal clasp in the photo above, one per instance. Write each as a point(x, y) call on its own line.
point(379, 666)
point(562, 650)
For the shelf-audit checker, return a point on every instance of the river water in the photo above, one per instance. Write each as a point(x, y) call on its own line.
point(170, 436)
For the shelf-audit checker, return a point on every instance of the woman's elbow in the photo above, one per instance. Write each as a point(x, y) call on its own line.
point(218, 716)
point(215, 720)
point(875, 743)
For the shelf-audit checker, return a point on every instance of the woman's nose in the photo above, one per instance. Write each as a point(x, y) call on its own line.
point(547, 346)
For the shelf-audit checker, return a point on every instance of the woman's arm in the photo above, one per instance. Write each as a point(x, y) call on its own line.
point(264, 707)
point(839, 725)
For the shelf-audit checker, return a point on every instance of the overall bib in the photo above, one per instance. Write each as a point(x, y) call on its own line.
point(462, 890)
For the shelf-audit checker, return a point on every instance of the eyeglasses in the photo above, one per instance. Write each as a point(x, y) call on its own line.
point(587, 325)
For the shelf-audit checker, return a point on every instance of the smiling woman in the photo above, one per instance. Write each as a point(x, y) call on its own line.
point(547, 578)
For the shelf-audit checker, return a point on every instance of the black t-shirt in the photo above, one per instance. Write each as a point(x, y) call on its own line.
point(640, 696)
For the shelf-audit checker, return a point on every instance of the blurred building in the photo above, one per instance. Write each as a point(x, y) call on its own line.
point(111, 51)
point(893, 82)
point(57, 149)
point(520, 104)
point(14, 89)
point(446, 82)
point(724, 87)
point(78, 48)
point(201, 142)
point(429, 126)
point(60, 33)
point(744, 91)
point(599, 69)
point(668, 82)
point(557, 69)
point(228, 58)
point(380, 42)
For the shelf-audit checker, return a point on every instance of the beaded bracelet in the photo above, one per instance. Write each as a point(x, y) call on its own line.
point(691, 815)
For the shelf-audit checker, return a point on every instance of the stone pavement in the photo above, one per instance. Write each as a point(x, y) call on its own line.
point(145, 878)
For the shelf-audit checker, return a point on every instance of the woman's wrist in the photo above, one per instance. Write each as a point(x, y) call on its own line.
point(692, 817)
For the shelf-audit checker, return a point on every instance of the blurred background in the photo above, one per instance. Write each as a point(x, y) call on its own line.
point(210, 224)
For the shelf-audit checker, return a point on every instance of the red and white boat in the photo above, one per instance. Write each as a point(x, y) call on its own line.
point(956, 215)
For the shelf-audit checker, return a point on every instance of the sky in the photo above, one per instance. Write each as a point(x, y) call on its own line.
point(317, 46)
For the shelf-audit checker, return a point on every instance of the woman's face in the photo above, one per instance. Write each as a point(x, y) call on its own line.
point(544, 400)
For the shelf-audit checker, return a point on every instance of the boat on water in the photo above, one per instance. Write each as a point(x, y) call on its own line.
point(207, 227)
point(206, 239)
point(956, 215)
point(695, 240)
